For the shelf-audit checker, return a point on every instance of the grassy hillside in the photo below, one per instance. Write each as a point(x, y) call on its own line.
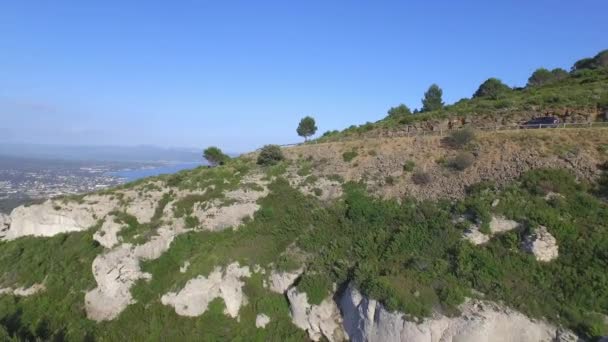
point(579, 95)
point(409, 254)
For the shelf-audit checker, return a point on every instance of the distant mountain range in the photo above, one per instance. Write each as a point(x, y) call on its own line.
point(142, 153)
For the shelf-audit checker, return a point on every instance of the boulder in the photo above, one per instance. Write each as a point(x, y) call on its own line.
point(541, 244)
point(261, 321)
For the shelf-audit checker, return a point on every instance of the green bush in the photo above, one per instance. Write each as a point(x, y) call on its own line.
point(409, 165)
point(215, 156)
point(316, 286)
point(270, 155)
point(349, 156)
point(462, 161)
point(461, 137)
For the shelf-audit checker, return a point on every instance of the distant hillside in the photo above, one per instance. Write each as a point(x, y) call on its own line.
point(580, 95)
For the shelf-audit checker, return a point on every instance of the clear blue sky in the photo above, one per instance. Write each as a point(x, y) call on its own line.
point(239, 74)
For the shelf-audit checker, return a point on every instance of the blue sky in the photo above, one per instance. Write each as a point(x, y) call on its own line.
point(239, 74)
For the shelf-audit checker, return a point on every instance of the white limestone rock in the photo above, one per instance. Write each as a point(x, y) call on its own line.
point(261, 320)
point(318, 321)
point(218, 216)
point(107, 235)
point(23, 291)
point(184, 267)
point(117, 270)
point(480, 321)
point(498, 225)
point(542, 245)
point(281, 281)
point(194, 298)
point(53, 217)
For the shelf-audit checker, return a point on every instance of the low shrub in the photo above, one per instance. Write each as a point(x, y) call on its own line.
point(421, 177)
point(349, 156)
point(270, 155)
point(408, 166)
point(462, 161)
point(461, 137)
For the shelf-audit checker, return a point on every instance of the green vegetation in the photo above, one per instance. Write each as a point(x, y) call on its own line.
point(270, 155)
point(543, 76)
point(409, 165)
point(583, 90)
point(215, 156)
point(492, 88)
point(307, 127)
point(348, 156)
point(399, 112)
point(407, 253)
point(462, 161)
point(462, 137)
point(316, 286)
point(432, 99)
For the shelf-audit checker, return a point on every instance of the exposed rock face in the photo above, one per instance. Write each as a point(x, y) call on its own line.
point(480, 321)
point(48, 219)
point(281, 281)
point(542, 244)
point(107, 235)
point(218, 216)
point(23, 291)
point(319, 321)
point(498, 225)
point(143, 206)
point(55, 216)
point(195, 297)
point(261, 321)
point(117, 271)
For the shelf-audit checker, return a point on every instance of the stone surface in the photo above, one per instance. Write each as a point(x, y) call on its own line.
point(542, 245)
point(319, 321)
point(196, 295)
point(480, 321)
point(498, 225)
point(281, 281)
point(117, 270)
point(261, 320)
point(23, 291)
point(107, 235)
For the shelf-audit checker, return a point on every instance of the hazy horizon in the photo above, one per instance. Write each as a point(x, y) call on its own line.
point(138, 73)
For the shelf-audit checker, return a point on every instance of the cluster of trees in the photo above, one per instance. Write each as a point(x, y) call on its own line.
point(599, 61)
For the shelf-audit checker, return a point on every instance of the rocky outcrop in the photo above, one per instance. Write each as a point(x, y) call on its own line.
point(541, 244)
point(280, 282)
point(243, 204)
point(117, 271)
point(23, 291)
point(56, 216)
point(480, 321)
point(497, 225)
point(319, 321)
point(261, 320)
point(195, 297)
point(107, 235)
